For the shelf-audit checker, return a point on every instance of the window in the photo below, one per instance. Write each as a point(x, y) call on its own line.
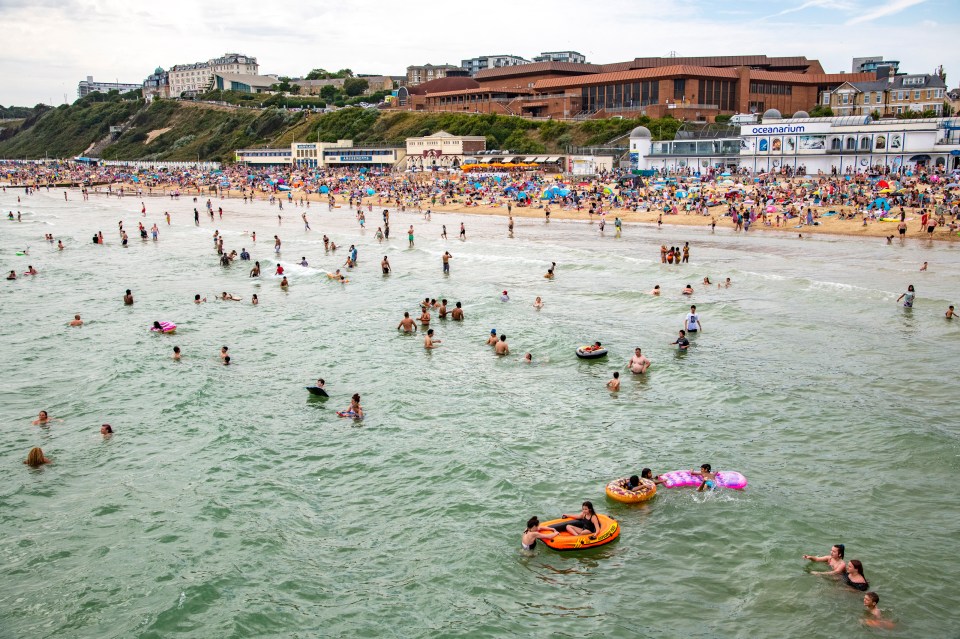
point(826, 97)
point(851, 144)
point(679, 88)
point(864, 144)
point(845, 98)
point(929, 94)
point(878, 97)
point(916, 95)
point(835, 144)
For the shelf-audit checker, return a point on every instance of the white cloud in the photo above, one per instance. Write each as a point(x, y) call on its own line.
point(883, 10)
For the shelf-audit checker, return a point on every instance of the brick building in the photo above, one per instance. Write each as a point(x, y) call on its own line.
point(889, 97)
point(696, 88)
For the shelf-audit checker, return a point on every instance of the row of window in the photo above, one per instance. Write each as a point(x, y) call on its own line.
point(770, 88)
point(616, 96)
point(723, 93)
point(895, 96)
point(355, 152)
point(263, 154)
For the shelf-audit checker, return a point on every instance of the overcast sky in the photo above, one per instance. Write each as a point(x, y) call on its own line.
point(50, 45)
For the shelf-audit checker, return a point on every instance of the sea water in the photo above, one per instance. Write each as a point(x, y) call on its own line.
point(231, 503)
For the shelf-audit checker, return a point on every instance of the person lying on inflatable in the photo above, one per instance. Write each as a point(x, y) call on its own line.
point(589, 349)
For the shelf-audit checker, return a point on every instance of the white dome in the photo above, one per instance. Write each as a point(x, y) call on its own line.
point(772, 114)
point(801, 114)
point(641, 132)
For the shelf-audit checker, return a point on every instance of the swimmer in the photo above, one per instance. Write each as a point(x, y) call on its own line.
point(538, 303)
point(254, 300)
point(909, 295)
point(354, 410)
point(12, 275)
point(284, 283)
point(501, 348)
point(596, 347)
point(949, 314)
point(223, 352)
point(425, 317)
point(638, 363)
point(853, 577)
point(614, 384)
point(255, 271)
point(197, 299)
point(534, 532)
point(176, 353)
point(726, 283)
point(492, 340)
point(226, 360)
point(230, 297)
point(446, 262)
point(706, 281)
point(442, 309)
point(128, 298)
point(646, 473)
point(343, 279)
point(303, 261)
point(504, 297)
point(320, 383)
point(688, 290)
point(30, 271)
point(428, 341)
point(834, 560)
point(889, 239)
point(457, 313)
point(528, 358)
point(36, 459)
point(709, 478)
point(682, 342)
point(334, 276)
point(76, 321)
point(875, 617)
point(692, 321)
point(385, 266)
point(656, 290)
point(549, 274)
point(43, 418)
point(279, 270)
point(924, 267)
point(106, 430)
point(407, 324)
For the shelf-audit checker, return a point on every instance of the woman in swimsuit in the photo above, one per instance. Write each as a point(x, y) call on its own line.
point(354, 410)
point(853, 577)
point(835, 560)
point(588, 522)
point(532, 534)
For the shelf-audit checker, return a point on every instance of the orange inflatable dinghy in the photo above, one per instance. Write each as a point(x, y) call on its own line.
point(609, 530)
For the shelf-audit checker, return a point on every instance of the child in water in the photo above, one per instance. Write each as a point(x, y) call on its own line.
point(530, 536)
point(709, 478)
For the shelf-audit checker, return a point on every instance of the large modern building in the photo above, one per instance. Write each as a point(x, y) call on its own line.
point(561, 56)
point(243, 83)
point(88, 86)
point(474, 66)
point(198, 76)
point(873, 63)
point(696, 88)
point(830, 145)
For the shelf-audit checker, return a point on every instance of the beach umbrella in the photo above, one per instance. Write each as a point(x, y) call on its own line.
point(771, 209)
point(324, 189)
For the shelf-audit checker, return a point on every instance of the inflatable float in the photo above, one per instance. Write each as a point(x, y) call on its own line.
point(617, 490)
point(684, 479)
point(589, 352)
point(165, 327)
point(348, 413)
point(609, 530)
point(316, 390)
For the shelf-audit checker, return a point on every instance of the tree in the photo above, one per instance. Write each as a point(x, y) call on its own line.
point(355, 86)
point(318, 74)
point(328, 92)
point(821, 111)
point(875, 114)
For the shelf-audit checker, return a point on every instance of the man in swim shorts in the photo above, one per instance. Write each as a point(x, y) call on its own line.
point(457, 313)
point(407, 324)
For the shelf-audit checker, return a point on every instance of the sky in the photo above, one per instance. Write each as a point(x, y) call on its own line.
point(50, 45)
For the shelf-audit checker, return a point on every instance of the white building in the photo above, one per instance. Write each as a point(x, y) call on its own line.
point(198, 77)
point(832, 145)
point(88, 86)
point(443, 150)
point(314, 155)
point(478, 64)
point(561, 56)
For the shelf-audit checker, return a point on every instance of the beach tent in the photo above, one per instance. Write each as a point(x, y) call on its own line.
point(879, 203)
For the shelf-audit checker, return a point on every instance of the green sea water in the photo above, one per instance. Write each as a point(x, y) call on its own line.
point(230, 503)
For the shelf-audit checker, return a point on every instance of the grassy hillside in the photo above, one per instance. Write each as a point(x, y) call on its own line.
point(167, 130)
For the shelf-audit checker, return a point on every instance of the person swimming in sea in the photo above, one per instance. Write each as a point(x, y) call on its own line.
point(709, 478)
point(533, 532)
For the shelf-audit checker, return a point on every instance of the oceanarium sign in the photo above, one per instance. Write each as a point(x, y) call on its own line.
point(785, 129)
